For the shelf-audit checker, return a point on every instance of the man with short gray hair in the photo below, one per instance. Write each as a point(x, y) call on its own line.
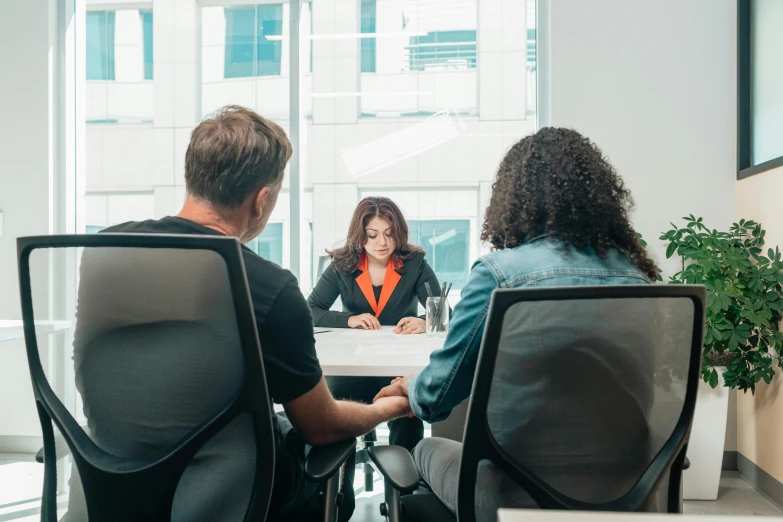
point(234, 170)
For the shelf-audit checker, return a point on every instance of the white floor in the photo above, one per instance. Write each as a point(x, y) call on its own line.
point(20, 488)
point(21, 479)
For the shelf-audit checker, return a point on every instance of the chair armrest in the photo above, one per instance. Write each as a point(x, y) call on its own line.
point(324, 461)
point(396, 465)
point(61, 447)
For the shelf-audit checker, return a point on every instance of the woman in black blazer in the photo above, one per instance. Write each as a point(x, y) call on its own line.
point(380, 278)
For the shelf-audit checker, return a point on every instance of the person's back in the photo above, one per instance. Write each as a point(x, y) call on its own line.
point(546, 261)
point(572, 393)
point(558, 217)
point(155, 348)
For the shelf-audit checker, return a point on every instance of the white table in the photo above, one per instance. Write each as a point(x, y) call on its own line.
point(522, 515)
point(369, 353)
point(14, 329)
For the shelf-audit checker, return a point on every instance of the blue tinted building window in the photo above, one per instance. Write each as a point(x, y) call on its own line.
point(269, 244)
point(100, 45)
point(531, 47)
point(368, 44)
point(240, 38)
point(447, 244)
point(269, 53)
point(443, 49)
point(146, 23)
point(248, 51)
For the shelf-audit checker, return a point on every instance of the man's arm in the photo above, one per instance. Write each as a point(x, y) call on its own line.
point(322, 420)
point(295, 379)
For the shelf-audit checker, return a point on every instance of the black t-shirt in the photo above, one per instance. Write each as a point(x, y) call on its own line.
point(282, 314)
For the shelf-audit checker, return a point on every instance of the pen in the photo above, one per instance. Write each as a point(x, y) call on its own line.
point(429, 294)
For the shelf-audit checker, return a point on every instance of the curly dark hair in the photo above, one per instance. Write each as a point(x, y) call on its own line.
point(557, 182)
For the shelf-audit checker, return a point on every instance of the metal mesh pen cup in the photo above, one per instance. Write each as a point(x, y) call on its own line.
point(437, 316)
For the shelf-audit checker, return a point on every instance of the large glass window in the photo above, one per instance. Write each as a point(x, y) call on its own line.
point(412, 99)
point(760, 86)
point(251, 49)
point(767, 79)
point(425, 57)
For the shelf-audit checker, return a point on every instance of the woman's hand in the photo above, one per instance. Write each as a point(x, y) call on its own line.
point(410, 325)
point(397, 388)
point(366, 321)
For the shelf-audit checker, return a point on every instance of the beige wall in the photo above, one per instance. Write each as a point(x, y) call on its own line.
point(730, 443)
point(760, 418)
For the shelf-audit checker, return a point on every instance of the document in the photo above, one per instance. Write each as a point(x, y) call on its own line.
point(392, 351)
point(385, 333)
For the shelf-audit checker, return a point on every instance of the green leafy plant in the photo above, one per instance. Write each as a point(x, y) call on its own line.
point(744, 298)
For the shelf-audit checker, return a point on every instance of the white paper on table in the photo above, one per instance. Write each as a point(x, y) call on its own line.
point(385, 333)
point(385, 349)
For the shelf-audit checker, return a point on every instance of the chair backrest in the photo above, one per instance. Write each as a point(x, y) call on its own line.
point(323, 262)
point(168, 368)
point(583, 399)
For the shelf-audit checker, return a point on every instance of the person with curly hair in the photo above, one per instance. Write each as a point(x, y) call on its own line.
point(558, 216)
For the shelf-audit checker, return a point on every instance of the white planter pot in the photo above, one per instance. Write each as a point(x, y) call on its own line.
point(705, 449)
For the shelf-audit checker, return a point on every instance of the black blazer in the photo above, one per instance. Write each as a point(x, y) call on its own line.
point(336, 282)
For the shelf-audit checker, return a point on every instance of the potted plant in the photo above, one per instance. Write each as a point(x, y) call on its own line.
point(742, 342)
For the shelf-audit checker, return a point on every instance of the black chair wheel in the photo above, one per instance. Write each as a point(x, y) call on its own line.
point(384, 509)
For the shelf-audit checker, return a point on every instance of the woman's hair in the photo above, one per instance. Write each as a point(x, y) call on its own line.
point(557, 182)
point(347, 257)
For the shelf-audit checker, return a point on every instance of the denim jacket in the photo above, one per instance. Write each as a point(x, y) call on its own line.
point(448, 378)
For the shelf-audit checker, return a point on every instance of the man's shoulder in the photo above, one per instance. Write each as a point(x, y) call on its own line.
point(130, 227)
point(264, 273)
point(166, 225)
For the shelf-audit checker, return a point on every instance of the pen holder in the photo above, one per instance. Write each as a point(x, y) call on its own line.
point(437, 316)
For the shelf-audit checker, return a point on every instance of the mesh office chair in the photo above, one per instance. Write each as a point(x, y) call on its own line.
point(168, 368)
point(583, 399)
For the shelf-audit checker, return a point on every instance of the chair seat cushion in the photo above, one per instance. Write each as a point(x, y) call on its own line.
point(425, 507)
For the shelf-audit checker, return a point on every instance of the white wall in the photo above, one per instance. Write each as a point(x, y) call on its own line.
point(654, 85)
point(24, 189)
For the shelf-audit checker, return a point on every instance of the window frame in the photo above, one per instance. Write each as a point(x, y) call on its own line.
point(745, 166)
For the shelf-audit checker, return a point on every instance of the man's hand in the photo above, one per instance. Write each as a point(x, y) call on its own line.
point(366, 321)
point(398, 388)
point(410, 325)
point(321, 420)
